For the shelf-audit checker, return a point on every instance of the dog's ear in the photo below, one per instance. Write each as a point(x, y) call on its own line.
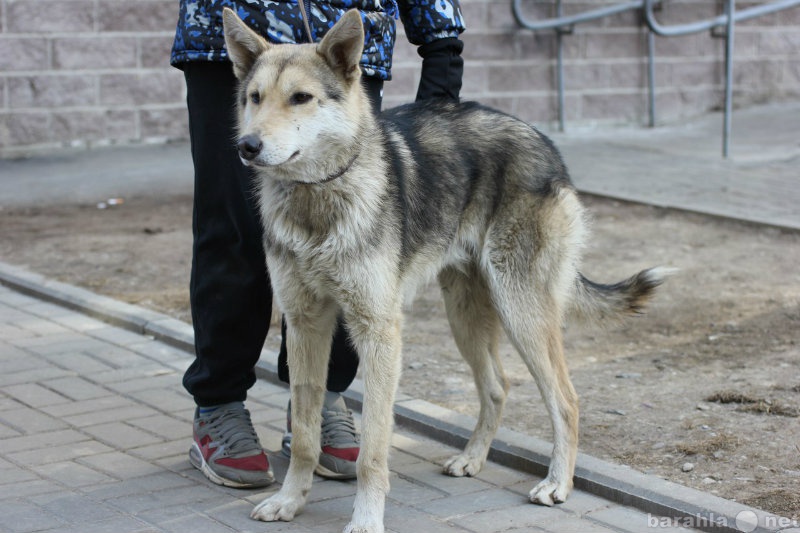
point(243, 44)
point(343, 45)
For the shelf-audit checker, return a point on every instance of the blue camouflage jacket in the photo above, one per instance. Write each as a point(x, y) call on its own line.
point(199, 33)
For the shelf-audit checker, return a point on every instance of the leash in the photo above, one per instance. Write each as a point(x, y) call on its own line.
point(336, 175)
point(304, 16)
point(341, 172)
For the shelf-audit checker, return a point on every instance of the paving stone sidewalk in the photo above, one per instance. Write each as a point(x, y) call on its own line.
point(95, 428)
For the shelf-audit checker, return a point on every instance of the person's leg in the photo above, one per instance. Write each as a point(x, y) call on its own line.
point(340, 441)
point(230, 294)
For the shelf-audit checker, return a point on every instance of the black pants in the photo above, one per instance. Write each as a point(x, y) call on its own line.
point(230, 291)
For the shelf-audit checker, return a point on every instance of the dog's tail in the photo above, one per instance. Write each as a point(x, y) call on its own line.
point(600, 303)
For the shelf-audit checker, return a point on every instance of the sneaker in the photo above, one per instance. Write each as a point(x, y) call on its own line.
point(340, 440)
point(226, 448)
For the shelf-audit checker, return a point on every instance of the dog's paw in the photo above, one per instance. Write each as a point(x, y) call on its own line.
point(463, 465)
point(275, 508)
point(549, 491)
point(362, 528)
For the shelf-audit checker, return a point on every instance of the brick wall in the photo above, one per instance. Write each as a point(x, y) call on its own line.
point(605, 63)
point(94, 72)
point(88, 72)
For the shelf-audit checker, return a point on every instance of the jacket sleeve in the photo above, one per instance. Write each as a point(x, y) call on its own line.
point(434, 26)
point(426, 21)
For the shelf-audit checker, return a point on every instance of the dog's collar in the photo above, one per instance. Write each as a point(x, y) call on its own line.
point(336, 175)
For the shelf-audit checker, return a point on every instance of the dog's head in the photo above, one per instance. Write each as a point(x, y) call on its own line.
point(296, 102)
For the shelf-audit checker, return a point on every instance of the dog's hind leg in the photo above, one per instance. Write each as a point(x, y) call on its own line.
point(476, 330)
point(532, 320)
point(308, 340)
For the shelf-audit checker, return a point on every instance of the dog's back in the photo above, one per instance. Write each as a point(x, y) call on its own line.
point(470, 145)
point(458, 172)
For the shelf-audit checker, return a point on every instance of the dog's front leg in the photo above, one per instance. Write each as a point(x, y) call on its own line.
point(378, 344)
point(308, 341)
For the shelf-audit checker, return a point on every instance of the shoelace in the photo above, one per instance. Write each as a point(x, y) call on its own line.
point(338, 429)
point(234, 428)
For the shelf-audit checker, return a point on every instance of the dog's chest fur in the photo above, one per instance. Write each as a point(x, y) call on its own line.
point(326, 234)
point(332, 235)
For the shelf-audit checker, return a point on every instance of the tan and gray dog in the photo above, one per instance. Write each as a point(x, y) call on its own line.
point(359, 209)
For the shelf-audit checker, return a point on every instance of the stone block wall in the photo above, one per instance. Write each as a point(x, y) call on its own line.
point(94, 72)
point(605, 62)
point(86, 73)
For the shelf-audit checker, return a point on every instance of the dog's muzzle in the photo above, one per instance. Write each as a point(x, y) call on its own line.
point(249, 147)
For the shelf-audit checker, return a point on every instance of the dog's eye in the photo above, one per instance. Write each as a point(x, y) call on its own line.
point(255, 98)
point(300, 98)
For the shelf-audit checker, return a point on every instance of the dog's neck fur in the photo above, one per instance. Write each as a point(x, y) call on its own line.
point(293, 209)
point(335, 175)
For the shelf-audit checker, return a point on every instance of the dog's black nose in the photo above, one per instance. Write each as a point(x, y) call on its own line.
point(249, 147)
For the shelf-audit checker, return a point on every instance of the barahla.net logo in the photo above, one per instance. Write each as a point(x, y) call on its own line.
point(745, 521)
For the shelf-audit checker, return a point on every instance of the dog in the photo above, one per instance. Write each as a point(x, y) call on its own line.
point(358, 210)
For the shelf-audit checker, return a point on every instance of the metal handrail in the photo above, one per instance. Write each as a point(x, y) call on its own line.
point(565, 25)
point(705, 25)
point(727, 20)
point(565, 22)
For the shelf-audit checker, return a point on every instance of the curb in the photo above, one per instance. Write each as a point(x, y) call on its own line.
point(683, 506)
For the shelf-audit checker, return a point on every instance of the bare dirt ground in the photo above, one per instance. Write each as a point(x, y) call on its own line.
point(704, 390)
